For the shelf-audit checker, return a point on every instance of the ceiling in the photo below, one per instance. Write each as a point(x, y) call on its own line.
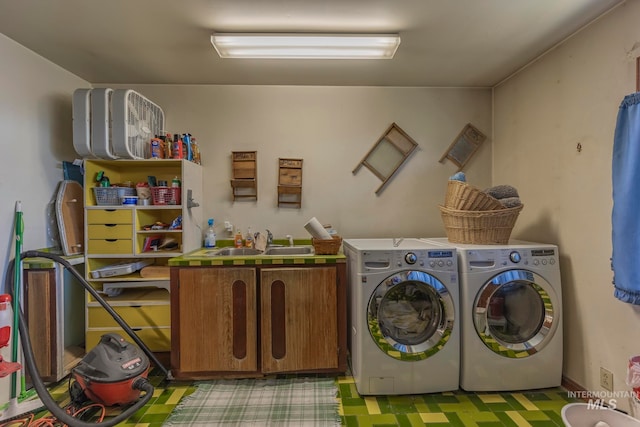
point(445, 43)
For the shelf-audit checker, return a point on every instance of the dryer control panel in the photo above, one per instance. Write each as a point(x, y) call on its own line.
point(429, 259)
point(509, 257)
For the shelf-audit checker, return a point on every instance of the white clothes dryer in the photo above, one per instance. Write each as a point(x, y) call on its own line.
point(403, 303)
point(511, 303)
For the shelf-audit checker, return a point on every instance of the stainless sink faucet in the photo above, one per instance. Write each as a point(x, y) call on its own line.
point(269, 238)
point(290, 239)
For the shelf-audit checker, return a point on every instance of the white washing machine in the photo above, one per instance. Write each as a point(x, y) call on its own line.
point(403, 303)
point(511, 303)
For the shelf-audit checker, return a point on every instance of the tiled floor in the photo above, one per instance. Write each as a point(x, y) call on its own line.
point(459, 408)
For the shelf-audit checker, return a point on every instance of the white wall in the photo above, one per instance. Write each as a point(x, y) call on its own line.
point(35, 124)
point(570, 97)
point(331, 129)
point(35, 121)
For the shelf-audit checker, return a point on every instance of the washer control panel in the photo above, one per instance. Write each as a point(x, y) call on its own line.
point(436, 260)
point(547, 256)
point(509, 257)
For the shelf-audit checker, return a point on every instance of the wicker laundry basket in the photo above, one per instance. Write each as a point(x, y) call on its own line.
point(465, 197)
point(327, 247)
point(479, 227)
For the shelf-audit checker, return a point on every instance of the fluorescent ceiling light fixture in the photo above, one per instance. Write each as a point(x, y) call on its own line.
point(305, 46)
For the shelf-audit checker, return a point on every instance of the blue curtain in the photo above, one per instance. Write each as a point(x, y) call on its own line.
point(625, 218)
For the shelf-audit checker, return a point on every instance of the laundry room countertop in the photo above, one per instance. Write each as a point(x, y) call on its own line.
point(199, 258)
point(45, 263)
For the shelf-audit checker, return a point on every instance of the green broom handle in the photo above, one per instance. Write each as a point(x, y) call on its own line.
point(16, 293)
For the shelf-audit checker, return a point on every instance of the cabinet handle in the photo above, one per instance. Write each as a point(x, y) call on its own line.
point(278, 324)
point(239, 297)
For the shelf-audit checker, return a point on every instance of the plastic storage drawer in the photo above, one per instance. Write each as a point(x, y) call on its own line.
point(110, 231)
point(107, 247)
point(157, 339)
point(134, 316)
point(109, 216)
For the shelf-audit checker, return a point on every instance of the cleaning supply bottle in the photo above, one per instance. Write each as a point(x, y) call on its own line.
point(248, 239)
point(210, 236)
point(237, 240)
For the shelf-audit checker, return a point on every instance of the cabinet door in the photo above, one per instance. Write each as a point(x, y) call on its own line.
point(41, 317)
point(216, 320)
point(299, 319)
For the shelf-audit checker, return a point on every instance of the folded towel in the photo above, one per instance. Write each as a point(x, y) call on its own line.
point(502, 191)
point(460, 176)
point(510, 202)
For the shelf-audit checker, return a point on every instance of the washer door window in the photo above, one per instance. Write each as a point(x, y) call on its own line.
point(410, 315)
point(514, 314)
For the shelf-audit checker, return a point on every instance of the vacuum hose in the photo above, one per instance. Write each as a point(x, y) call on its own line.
point(141, 383)
point(52, 405)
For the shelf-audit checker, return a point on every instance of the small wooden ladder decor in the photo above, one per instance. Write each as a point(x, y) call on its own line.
point(290, 183)
point(244, 181)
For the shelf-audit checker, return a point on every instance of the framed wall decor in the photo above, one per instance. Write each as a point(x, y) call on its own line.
point(464, 146)
point(388, 154)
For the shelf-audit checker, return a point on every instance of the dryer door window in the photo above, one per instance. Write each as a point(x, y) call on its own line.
point(514, 314)
point(410, 315)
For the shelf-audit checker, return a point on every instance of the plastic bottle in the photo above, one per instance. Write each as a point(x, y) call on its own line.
point(210, 236)
point(196, 151)
point(157, 148)
point(237, 240)
point(168, 146)
point(248, 239)
point(186, 137)
point(6, 320)
point(177, 148)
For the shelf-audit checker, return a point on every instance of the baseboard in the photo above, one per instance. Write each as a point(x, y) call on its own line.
point(581, 393)
point(570, 385)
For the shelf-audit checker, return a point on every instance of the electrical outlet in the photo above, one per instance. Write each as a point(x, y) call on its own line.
point(606, 379)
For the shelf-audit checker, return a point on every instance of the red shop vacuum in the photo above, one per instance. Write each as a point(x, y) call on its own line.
point(112, 372)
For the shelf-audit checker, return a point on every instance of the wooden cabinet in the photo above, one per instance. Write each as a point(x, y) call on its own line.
point(248, 321)
point(53, 306)
point(214, 325)
point(299, 326)
point(123, 259)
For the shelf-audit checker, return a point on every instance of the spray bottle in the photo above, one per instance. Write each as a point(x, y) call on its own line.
point(210, 236)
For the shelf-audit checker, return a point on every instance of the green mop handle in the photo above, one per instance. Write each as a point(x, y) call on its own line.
point(16, 293)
